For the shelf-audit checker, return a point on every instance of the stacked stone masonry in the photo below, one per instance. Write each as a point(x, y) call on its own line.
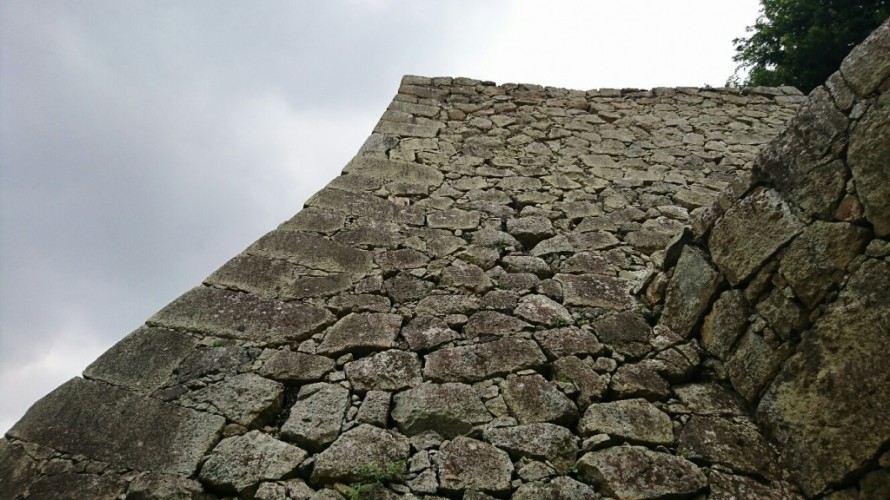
point(527, 292)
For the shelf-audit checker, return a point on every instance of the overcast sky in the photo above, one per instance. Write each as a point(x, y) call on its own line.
point(144, 143)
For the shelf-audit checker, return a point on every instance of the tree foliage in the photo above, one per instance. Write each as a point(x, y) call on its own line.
point(801, 42)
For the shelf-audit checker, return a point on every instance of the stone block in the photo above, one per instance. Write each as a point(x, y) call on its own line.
point(868, 156)
point(639, 473)
point(478, 362)
point(468, 464)
point(447, 409)
point(689, 292)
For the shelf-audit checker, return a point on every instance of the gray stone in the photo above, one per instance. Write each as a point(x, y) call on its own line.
point(530, 230)
point(689, 292)
point(17, 469)
point(360, 333)
point(453, 219)
point(491, 238)
point(868, 155)
point(868, 65)
point(532, 399)
point(724, 325)
point(440, 305)
point(734, 444)
point(375, 409)
point(360, 451)
point(143, 361)
point(626, 333)
point(817, 259)
point(542, 441)
point(634, 472)
point(153, 486)
point(246, 399)
point(750, 232)
point(466, 277)
point(238, 464)
point(315, 419)
point(366, 206)
point(633, 420)
point(557, 245)
point(710, 399)
point(448, 409)
point(102, 422)
point(227, 314)
point(397, 260)
point(639, 380)
point(291, 366)
point(594, 290)
point(312, 251)
point(318, 221)
point(568, 341)
point(406, 288)
point(755, 362)
point(488, 323)
point(590, 384)
point(731, 487)
point(385, 371)
point(427, 332)
point(390, 171)
point(468, 464)
point(68, 485)
point(481, 361)
point(839, 376)
point(526, 264)
point(559, 488)
point(543, 310)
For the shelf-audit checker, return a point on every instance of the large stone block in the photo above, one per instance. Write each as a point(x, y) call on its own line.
point(750, 232)
point(448, 409)
point(689, 292)
point(477, 362)
point(313, 251)
point(869, 158)
point(635, 472)
point(868, 64)
point(117, 426)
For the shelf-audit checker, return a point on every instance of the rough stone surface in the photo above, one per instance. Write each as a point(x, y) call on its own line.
point(626, 472)
point(238, 464)
point(734, 444)
point(561, 487)
point(869, 150)
point(633, 420)
point(385, 371)
point(358, 451)
point(448, 409)
point(469, 464)
point(750, 232)
point(542, 441)
point(315, 419)
point(246, 399)
point(473, 363)
point(361, 332)
point(689, 292)
point(725, 324)
point(532, 399)
point(290, 366)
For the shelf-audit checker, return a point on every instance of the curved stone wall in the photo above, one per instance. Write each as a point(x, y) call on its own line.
point(502, 297)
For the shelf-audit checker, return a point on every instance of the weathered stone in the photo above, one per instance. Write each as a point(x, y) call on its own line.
point(267, 277)
point(17, 469)
point(246, 399)
point(68, 485)
point(488, 323)
point(725, 324)
point(453, 219)
point(755, 362)
point(102, 422)
point(361, 333)
point(366, 206)
point(541, 441)
point(785, 317)
point(557, 245)
point(314, 220)
point(590, 384)
point(153, 486)
point(468, 464)
point(543, 310)
point(375, 408)
point(406, 129)
point(405, 258)
point(817, 259)
point(639, 380)
point(530, 230)
point(634, 472)
point(526, 264)
point(838, 376)
point(491, 238)
point(143, 361)
point(731, 487)
point(238, 464)
point(532, 399)
point(626, 333)
point(313, 251)
point(868, 155)
point(427, 332)
point(392, 171)
point(734, 444)
point(689, 292)
point(750, 232)
point(227, 314)
point(360, 451)
point(385, 371)
point(560, 487)
point(448, 409)
point(594, 290)
point(633, 420)
point(709, 399)
point(867, 65)
point(478, 362)
point(406, 288)
point(315, 419)
point(439, 305)
point(568, 341)
point(466, 277)
point(292, 366)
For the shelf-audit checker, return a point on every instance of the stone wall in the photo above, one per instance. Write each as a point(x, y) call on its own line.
point(789, 283)
point(502, 297)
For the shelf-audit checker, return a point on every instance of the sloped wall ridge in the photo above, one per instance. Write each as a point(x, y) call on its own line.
point(483, 306)
point(800, 324)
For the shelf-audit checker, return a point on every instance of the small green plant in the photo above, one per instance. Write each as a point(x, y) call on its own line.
point(217, 343)
point(373, 475)
point(558, 322)
point(564, 379)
